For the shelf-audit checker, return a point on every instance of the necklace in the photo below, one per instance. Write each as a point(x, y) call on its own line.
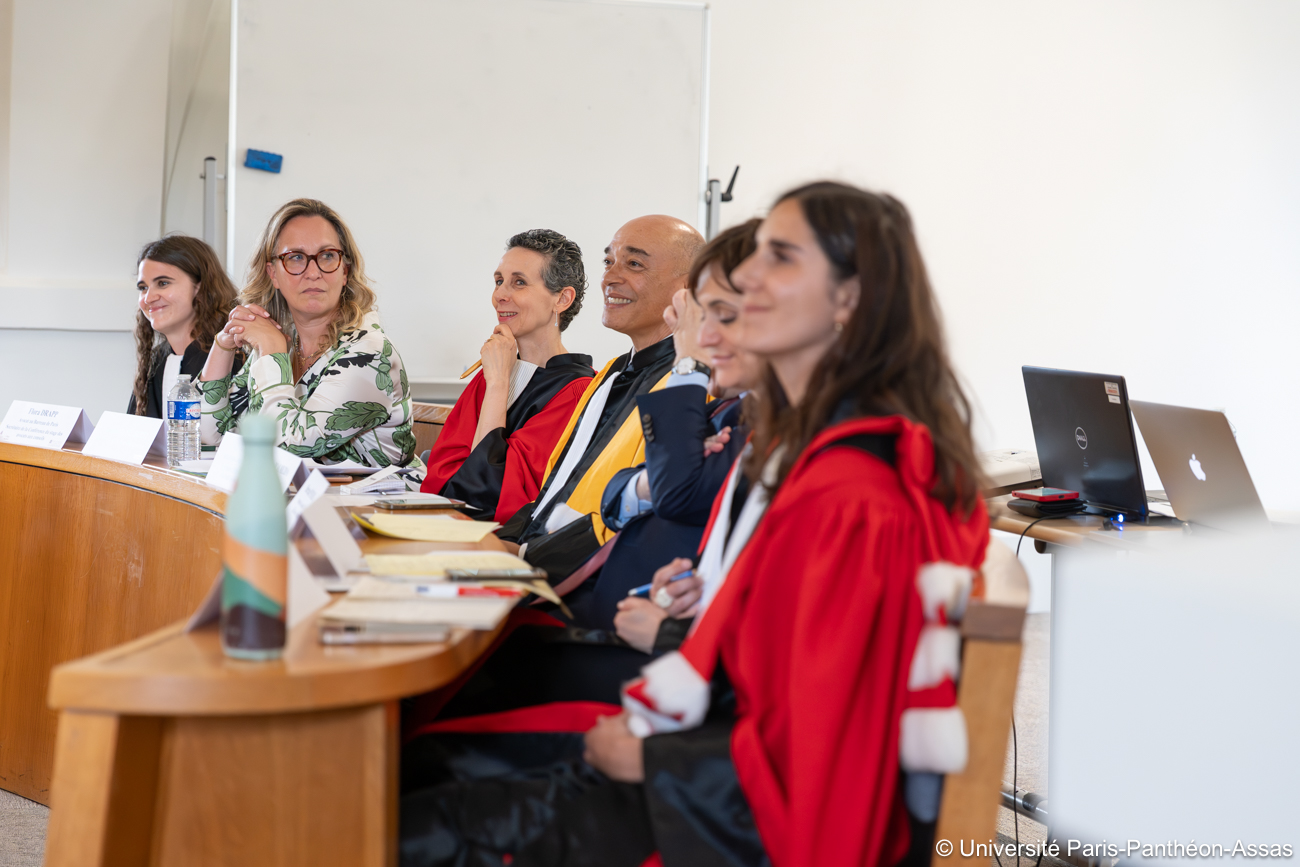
point(303, 362)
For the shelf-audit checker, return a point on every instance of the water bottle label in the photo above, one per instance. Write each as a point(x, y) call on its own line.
point(183, 410)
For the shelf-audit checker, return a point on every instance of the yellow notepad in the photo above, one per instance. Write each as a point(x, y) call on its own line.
point(426, 528)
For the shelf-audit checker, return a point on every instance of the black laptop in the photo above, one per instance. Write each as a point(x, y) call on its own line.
point(1084, 434)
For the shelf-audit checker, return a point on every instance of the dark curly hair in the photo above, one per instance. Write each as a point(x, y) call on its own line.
point(563, 265)
point(212, 304)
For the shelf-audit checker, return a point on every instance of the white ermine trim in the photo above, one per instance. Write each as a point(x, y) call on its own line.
point(677, 689)
point(938, 656)
point(933, 740)
point(943, 586)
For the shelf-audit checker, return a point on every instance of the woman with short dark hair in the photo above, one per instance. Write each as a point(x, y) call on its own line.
point(185, 297)
point(494, 446)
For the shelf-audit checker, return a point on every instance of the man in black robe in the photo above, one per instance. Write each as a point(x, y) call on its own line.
point(647, 261)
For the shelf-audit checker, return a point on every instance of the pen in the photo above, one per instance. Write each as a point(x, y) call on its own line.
point(643, 592)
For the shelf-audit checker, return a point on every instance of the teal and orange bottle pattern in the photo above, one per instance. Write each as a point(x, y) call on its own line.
point(254, 583)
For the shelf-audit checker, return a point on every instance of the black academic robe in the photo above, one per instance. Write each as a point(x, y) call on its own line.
point(191, 365)
point(563, 552)
point(504, 471)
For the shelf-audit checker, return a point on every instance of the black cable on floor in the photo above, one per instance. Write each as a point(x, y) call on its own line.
point(1015, 757)
point(1015, 788)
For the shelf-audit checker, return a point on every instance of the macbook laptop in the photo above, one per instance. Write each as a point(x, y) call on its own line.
point(1200, 465)
point(1085, 439)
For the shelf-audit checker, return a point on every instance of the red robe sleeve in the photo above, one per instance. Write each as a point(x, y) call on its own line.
point(453, 444)
point(819, 657)
point(529, 448)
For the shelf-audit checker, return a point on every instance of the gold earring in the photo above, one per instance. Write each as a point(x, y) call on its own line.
point(839, 326)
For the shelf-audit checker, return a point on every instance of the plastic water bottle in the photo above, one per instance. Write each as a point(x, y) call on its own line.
point(182, 422)
point(255, 552)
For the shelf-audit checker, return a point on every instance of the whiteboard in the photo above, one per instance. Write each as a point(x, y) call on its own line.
point(439, 129)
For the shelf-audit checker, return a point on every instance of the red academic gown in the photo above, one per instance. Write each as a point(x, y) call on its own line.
point(816, 626)
point(815, 629)
point(505, 471)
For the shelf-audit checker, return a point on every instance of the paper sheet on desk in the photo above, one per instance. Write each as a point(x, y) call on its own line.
point(342, 468)
point(426, 528)
point(474, 612)
point(379, 588)
point(436, 564)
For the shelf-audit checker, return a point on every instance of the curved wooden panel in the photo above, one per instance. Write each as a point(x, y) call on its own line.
point(92, 557)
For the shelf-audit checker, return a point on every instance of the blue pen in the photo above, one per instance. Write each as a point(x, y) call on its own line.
point(643, 592)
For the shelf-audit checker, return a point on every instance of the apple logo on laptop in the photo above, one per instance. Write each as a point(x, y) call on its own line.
point(1196, 468)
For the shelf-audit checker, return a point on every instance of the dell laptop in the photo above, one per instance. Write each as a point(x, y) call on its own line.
point(1200, 466)
point(1085, 439)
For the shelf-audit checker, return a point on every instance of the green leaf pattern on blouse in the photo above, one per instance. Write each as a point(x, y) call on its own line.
point(353, 404)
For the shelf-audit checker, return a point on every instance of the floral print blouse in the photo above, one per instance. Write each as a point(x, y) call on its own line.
point(353, 404)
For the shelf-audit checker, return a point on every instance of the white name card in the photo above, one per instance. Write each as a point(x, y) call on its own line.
point(309, 492)
point(44, 425)
point(224, 473)
point(128, 438)
point(342, 551)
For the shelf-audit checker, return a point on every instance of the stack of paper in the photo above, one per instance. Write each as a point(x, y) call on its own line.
point(426, 528)
point(389, 612)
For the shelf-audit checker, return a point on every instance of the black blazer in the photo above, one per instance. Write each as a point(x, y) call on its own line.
point(683, 485)
point(191, 364)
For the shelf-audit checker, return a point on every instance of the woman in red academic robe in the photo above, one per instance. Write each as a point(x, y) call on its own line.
point(809, 715)
point(493, 448)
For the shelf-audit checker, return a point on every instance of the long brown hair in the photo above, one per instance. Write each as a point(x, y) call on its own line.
point(358, 297)
point(212, 302)
point(891, 357)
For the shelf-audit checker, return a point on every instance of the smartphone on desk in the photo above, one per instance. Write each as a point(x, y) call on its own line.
point(1046, 495)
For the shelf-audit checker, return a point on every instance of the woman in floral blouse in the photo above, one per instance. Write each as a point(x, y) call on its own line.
point(319, 362)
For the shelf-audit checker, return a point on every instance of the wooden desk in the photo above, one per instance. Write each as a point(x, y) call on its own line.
point(171, 753)
point(1077, 530)
point(95, 553)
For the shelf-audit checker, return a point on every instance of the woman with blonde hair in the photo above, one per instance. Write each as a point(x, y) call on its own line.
point(185, 297)
point(319, 362)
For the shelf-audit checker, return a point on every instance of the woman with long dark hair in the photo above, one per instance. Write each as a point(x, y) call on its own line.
point(812, 707)
point(185, 297)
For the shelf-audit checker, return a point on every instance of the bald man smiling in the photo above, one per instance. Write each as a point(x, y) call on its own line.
point(645, 263)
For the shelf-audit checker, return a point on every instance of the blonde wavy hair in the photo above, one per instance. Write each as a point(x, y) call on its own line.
point(357, 298)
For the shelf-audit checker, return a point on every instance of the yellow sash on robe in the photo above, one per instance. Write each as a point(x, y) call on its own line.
point(626, 449)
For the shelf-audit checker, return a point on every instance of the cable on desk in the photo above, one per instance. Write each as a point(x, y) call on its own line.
point(1029, 527)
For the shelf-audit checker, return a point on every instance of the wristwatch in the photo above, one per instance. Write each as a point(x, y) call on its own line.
point(690, 365)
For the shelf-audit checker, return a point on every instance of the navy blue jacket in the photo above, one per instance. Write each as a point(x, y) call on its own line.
point(683, 485)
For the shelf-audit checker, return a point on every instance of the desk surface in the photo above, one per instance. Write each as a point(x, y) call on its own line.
point(1076, 530)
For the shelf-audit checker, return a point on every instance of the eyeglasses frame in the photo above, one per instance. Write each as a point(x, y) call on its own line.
point(343, 260)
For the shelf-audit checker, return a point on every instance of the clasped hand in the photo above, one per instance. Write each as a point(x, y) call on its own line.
point(250, 325)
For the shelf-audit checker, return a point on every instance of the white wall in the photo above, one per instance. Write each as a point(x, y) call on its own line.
point(86, 110)
point(1101, 186)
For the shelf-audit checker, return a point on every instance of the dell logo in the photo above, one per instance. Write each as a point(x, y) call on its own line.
point(1081, 437)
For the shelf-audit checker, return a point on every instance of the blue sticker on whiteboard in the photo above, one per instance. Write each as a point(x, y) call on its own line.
point(264, 160)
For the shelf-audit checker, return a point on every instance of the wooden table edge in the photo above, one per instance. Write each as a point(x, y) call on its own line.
point(91, 685)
